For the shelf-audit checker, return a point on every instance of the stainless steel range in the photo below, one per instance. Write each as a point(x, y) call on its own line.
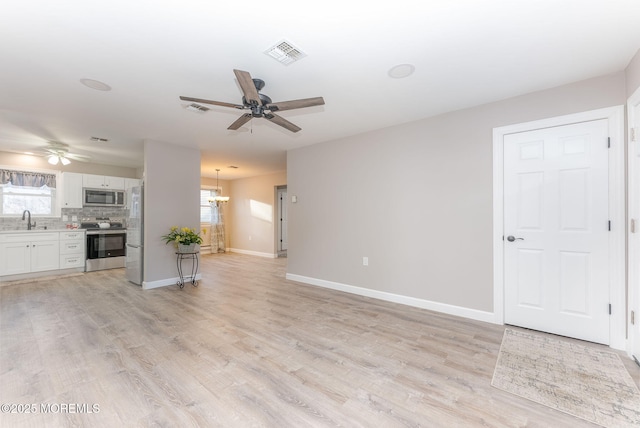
point(106, 243)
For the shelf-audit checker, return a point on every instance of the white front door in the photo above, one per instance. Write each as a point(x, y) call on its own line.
point(556, 226)
point(633, 112)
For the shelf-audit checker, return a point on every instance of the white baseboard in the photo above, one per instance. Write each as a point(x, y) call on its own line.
point(252, 253)
point(459, 311)
point(147, 285)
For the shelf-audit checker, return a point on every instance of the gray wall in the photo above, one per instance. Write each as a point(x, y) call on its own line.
point(252, 214)
point(171, 198)
point(633, 74)
point(416, 199)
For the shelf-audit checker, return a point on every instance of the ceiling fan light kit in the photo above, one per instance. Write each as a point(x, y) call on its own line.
point(54, 159)
point(259, 104)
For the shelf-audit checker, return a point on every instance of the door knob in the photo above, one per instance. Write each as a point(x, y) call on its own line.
point(512, 238)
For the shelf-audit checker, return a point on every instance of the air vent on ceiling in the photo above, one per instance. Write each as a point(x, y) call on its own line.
point(285, 52)
point(232, 167)
point(197, 108)
point(102, 140)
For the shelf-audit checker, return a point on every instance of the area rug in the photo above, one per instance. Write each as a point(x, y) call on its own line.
point(582, 381)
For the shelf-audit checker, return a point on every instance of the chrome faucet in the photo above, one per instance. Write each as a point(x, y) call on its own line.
point(29, 225)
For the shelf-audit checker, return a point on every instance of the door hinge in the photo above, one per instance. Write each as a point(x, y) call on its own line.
point(609, 226)
point(633, 318)
point(633, 134)
point(609, 308)
point(608, 142)
point(632, 227)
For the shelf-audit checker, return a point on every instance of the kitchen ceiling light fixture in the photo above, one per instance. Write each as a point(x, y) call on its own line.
point(54, 159)
point(218, 199)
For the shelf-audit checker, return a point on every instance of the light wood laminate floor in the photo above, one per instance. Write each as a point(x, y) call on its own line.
point(246, 348)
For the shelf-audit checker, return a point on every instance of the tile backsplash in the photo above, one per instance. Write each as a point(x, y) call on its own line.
point(16, 223)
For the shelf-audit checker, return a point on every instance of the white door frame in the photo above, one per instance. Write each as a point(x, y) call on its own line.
point(634, 239)
point(615, 116)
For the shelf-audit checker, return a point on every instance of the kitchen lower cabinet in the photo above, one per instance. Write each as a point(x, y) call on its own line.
point(29, 252)
point(72, 249)
point(15, 258)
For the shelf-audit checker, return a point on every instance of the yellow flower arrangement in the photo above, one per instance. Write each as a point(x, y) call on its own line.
point(182, 235)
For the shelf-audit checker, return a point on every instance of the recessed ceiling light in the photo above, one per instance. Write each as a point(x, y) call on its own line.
point(95, 84)
point(401, 71)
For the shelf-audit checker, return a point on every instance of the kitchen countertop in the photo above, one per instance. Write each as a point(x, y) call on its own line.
point(40, 230)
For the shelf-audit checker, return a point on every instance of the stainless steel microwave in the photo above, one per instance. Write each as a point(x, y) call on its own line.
point(102, 198)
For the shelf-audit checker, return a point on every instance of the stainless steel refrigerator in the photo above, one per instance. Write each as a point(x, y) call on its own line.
point(135, 235)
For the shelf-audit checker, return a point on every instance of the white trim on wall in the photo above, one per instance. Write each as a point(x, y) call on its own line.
point(148, 285)
point(633, 256)
point(396, 298)
point(615, 116)
point(253, 253)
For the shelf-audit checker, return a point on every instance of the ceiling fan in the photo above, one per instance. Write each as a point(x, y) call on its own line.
point(260, 104)
point(59, 152)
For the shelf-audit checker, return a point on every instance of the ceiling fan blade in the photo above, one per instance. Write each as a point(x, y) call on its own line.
point(293, 104)
point(216, 103)
point(248, 87)
point(75, 156)
point(279, 120)
point(240, 121)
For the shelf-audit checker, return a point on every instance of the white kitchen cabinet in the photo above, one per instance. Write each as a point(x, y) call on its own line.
point(45, 255)
point(29, 252)
point(131, 182)
point(72, 249)
point(102, 182)
point(15, 258)
point(72, 190)
point(116, 183)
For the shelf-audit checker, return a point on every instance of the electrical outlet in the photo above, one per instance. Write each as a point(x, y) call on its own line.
point(365, 261)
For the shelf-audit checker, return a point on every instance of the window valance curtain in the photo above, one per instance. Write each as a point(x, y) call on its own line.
point(27, 178)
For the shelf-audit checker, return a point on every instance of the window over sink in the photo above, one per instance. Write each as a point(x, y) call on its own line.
point(27, 190)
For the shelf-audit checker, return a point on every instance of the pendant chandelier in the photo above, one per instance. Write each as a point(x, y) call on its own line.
point(218, 199)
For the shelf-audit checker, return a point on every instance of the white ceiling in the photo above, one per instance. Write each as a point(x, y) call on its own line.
point(465, 53)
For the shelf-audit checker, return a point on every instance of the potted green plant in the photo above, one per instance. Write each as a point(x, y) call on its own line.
point(184, 239)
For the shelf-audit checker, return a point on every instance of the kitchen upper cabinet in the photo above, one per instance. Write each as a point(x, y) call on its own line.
point(72, 190)
point(29, 252)
point(131, 182)
point(103, 182)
